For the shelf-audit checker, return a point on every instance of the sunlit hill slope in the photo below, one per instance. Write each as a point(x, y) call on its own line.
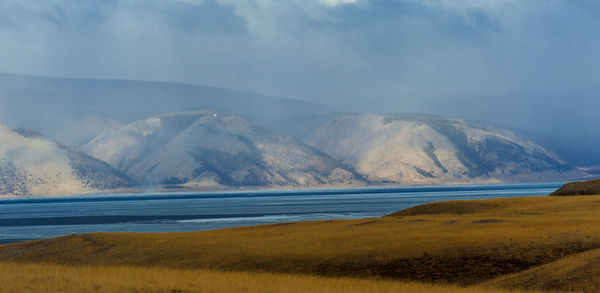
point(214, 148)
point(31, 164)
point(419, 149)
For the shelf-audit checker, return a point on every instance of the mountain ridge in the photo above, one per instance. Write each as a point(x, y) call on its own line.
point(430, 149)
point(213, 147)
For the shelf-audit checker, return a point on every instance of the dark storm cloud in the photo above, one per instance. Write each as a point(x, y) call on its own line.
point(363, 55)
point(525, 64)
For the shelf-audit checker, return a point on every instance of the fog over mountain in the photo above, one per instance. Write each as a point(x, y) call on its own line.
point(76, 110)
point(566, 121)
point(75, 70)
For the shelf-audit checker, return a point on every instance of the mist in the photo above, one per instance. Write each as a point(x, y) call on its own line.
point(531, 65)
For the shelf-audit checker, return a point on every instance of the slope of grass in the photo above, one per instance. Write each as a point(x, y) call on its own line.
point(24, 278)
point(462, 242)
point(578, 273)
point(588, 187)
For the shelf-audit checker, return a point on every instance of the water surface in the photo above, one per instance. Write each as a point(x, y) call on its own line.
point(44, 217)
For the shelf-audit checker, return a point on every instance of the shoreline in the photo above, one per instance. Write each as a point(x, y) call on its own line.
point(210, 214)
point(177, 190)
point(213, 207)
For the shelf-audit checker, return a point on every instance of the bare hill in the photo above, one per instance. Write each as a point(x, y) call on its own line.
point(212, 147)
point(417, 149)
point(31, 164)
point(590, 187)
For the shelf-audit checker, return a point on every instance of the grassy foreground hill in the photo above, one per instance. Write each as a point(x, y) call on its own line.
point(577, 273)
point(466, 243)
point(24, 278)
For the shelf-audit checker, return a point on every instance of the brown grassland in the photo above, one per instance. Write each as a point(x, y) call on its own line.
point(466, 243)
point(577, 273)
point(588, 187)
point(24, 278)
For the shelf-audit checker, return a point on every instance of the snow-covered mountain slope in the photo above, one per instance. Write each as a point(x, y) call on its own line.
point(31, 164)
point(211, 147)
point(414, 149)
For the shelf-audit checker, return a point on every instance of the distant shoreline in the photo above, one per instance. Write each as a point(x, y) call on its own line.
point(176, 189)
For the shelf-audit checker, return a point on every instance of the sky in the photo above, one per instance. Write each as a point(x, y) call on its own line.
point(358, 54)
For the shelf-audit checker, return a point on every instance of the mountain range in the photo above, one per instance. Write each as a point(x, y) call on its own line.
point(109, 134)
point(214, 148)
point(421, 149)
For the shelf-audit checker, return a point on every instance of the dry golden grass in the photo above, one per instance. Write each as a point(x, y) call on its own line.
point(579, 188)
point(463, 242)
point(23, 278)
point(578, 273)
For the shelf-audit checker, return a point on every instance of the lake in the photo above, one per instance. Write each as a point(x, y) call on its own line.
point(43, 217)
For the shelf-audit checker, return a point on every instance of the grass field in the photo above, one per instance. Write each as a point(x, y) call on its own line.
point(578, 273)
point(460, 242)
point(23, 278)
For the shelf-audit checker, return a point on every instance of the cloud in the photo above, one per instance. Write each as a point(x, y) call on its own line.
point(383, 55)
point(287, 16)
point(333, 3)
point(488, 5)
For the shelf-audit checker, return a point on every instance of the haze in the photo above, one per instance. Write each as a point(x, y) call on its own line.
point(531, 65)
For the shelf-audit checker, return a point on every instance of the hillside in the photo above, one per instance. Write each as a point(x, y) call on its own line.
point(214, 148)
point(418, 149)
point(589, 187)
point(569, 126)
point(577, 273)
point(31, 164)
point(460, 242)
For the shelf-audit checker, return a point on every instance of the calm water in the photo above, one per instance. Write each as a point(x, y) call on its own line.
point(34, 218)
